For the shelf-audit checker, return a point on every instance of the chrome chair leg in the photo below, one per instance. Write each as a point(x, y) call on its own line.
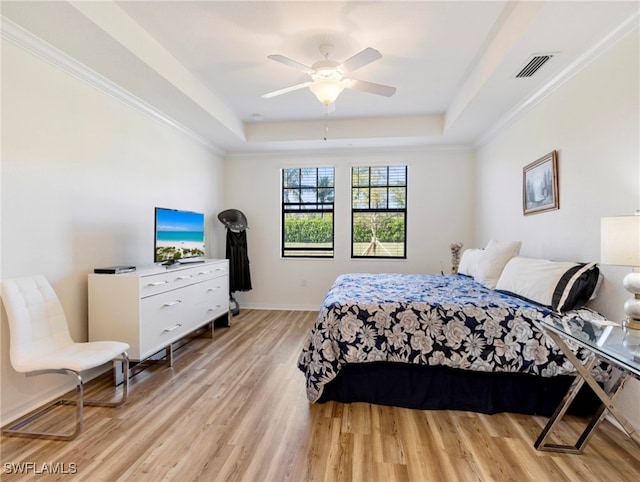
point(125, 388)
point(15, 428)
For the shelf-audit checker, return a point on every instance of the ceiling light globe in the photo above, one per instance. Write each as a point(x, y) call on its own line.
point(327, 90)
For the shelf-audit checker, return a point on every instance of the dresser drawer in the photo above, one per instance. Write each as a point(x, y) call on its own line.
point(150, 285)
point(164, 307)
point(195, 274)
point(210, 289)
point(210, 271)
point(165, 317)
point(156, 337)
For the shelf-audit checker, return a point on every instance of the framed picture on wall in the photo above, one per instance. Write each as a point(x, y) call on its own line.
point(540, 185)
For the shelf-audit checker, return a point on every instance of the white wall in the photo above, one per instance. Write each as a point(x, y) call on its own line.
point(81, 174)
point(593, 122)
point(439, 212)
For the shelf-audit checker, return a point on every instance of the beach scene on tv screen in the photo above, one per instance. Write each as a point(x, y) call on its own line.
point(179, 234)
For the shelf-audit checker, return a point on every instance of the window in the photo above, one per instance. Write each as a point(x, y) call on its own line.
point(307, 212)
point(379, 212)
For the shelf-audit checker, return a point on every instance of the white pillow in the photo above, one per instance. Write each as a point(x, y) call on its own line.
point(496, 255)
point(469, 261)
point(558, 285)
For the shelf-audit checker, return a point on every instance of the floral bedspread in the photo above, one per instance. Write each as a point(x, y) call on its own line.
point(446, 320)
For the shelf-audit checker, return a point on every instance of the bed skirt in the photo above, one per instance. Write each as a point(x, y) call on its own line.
point(444, 388)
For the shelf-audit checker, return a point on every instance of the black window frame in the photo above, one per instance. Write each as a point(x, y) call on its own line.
point(318, 206)
point(394, 210)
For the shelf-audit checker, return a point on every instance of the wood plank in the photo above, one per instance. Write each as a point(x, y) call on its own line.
point(234, 408)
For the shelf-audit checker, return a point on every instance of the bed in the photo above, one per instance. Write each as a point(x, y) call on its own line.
point(437, 342)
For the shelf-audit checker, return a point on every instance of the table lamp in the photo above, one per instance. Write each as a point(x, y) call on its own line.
point(620, 245)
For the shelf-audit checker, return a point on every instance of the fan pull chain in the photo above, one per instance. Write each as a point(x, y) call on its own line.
point(326, 121)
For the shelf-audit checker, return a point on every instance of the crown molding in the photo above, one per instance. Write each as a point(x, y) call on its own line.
point(53, 56)
point(625, 28)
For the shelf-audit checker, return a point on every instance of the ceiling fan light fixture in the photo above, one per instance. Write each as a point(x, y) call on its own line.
point(326, 90)
point(329, 77)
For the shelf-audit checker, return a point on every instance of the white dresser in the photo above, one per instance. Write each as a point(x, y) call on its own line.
point(157, 305)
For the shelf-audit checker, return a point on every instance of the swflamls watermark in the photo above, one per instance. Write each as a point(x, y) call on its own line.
point(40, 468)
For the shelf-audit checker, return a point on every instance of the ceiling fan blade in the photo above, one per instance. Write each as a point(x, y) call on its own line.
point(285, 90)
point(360, 59)
point(290, 62)
point(370, 87)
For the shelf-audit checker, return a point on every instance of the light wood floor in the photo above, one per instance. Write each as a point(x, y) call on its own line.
point(233, 408)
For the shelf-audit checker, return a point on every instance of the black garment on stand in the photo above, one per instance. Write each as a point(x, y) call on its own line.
point(238, 256)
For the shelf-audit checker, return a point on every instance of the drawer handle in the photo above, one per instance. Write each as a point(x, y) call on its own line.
point(214, 289)
point(220, 269)
point(214, 309)
point(172, 303)
point(181, 278)
point(158, 283)
point(204, 272)
point(167, 330)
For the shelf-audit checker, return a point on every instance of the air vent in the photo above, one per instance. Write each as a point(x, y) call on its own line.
point(534, 64)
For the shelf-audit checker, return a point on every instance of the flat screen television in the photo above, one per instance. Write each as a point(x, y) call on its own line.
point(179, 236)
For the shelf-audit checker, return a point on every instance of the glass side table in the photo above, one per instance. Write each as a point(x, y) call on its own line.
point(604, 341)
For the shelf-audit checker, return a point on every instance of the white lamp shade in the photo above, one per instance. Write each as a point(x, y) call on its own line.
point(327, 90)
point(620, 240)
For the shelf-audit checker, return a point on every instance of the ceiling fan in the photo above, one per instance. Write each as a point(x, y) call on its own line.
point(329, 78)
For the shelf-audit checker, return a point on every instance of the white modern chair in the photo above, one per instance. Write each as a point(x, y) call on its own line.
point(40, 343)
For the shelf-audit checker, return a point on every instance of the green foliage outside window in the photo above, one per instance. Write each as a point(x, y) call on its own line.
point(308, 229)
point(390, 229)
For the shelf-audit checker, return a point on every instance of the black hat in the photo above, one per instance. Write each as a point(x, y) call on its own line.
point(233, 219)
